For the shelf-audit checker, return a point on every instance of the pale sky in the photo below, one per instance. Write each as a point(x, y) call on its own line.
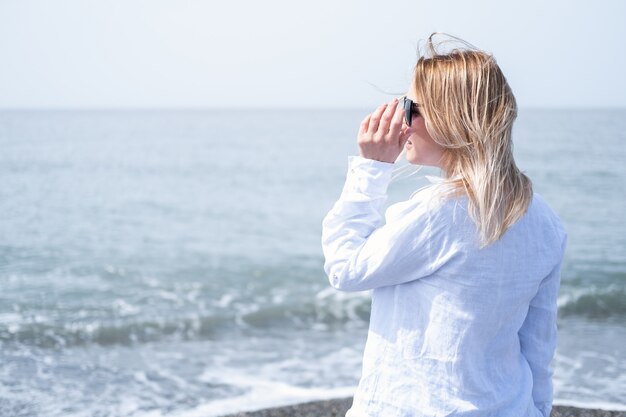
point(305, 54)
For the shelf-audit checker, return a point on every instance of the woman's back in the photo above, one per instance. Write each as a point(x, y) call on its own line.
point(449, 341)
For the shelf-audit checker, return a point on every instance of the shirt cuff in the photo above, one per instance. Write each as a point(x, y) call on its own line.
point(368, 177)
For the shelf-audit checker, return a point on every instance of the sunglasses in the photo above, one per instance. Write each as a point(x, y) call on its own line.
point(410, 110)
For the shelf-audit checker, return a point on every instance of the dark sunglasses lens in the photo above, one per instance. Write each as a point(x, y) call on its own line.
point(408, 110)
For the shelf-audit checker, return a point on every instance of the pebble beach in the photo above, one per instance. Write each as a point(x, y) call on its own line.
point(338, 408)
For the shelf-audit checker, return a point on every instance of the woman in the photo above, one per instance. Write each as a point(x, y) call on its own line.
point(465, 273)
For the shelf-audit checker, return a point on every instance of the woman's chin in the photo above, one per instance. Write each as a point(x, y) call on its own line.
point(411, 159)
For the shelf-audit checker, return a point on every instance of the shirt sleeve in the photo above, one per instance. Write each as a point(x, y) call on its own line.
point(538, 337)
point(361, 252)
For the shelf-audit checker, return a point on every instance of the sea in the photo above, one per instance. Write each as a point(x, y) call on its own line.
point(168, 262)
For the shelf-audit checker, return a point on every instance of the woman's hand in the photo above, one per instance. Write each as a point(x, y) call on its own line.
point(381, 135)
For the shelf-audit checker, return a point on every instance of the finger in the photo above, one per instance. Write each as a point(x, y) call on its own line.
point(404, 132)
point(404, 137)
point(396, 123)
point(375, 119)
point(385, 120)
point(364, 124)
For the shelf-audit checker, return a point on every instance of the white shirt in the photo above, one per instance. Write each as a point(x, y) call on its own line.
point(454, 330)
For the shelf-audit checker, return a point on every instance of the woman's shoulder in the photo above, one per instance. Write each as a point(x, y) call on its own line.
point(540, 210)
point(542, 226)
point(430, 203)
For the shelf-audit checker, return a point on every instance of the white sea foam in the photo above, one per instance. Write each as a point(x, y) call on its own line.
point(265, 394)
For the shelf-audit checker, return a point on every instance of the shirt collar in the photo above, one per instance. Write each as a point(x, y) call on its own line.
point(434, 179)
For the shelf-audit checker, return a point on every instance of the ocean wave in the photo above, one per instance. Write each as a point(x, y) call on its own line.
point(322, 311)
point(60, 335)
point(325, 310)
point(594, 302)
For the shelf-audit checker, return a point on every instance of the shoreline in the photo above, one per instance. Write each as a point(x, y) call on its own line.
point(338, 407)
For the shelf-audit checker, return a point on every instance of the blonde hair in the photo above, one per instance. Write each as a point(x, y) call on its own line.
point(469, 110)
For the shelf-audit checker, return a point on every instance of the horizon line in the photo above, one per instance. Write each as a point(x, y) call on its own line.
point(261, 108)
